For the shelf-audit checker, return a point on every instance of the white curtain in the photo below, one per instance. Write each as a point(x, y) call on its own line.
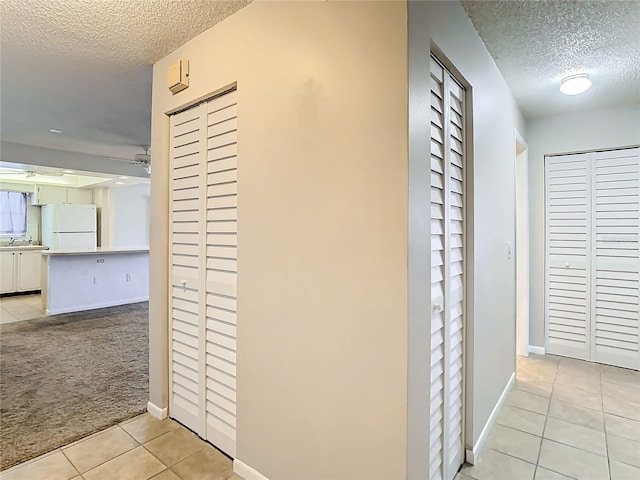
point(13, 213)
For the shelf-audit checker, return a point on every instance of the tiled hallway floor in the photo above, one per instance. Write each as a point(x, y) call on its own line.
point(20, 307)
point(142, 448)
point(563, 419)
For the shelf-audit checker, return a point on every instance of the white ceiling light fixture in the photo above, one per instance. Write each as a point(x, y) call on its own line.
point(55, 130)
point(575, 84)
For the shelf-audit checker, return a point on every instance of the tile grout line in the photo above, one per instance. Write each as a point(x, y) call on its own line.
point(106, 461)
point(546, 418)
point(72, 464)
point(604, 426)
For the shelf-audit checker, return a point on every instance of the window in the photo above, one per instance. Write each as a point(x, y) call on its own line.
point(13, 214)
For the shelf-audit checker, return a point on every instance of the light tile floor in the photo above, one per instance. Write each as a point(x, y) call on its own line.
point(142, 448)
point(564, 419)
point(20, 307)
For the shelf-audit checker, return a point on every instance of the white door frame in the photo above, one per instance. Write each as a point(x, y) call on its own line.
point(522, 245)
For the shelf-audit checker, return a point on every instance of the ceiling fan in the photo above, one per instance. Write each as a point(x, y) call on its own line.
point(143, 159)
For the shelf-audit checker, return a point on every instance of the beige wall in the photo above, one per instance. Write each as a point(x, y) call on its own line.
point(322, 241)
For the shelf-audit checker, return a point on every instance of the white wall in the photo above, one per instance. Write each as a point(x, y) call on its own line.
point(491, 214)
point(123, 215)
point(128, 213)
point(596, 129)
point(322, 232)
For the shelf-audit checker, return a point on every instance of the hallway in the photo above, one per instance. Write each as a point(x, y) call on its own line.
point(564, 418)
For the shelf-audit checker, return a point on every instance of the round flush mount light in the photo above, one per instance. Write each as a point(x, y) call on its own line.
point(68, 171)
point(575, 84)
point(119, 183)
point(55, 130)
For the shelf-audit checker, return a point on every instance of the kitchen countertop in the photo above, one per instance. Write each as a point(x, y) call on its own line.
point(15, 248)
point(97, 251)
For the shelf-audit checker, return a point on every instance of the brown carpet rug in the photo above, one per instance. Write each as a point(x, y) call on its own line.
point(64, 377)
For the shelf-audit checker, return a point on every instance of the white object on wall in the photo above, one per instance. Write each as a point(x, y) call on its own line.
point(178, 76)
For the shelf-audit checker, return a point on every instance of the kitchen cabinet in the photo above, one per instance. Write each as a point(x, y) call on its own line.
point(77, 280)
point(7, 272)
point(21, 271)
point(79, 196)
point(46, 194)
point(29, 268)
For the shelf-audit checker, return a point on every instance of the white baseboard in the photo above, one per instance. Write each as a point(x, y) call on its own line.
point(94, 306)
point(472, 455)
point(535, 349)
point(155, 411)
point(246, 472)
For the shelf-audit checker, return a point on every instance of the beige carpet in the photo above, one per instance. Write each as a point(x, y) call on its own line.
point(66, 376)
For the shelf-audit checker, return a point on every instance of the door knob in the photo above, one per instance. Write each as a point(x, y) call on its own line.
point(437, 308)
point(566, 265)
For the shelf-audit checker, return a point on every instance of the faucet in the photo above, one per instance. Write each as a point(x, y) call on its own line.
point(11, 241)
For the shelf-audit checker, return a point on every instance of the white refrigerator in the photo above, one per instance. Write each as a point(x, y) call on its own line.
point(69, 227)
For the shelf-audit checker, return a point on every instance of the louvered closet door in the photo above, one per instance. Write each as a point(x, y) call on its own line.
point(616, 197)
point(221, 266)
point(187, 152)
point(567, 255)
point(447, 274)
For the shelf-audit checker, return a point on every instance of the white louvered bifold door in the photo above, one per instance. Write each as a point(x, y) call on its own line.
point(568, 231)
point(447, 274)
point(186, 353)
point(221, 265)
point(616, 197)
point(203, 255)
point(593, 257)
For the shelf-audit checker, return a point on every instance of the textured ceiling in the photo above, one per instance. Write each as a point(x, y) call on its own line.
point(85, 67)
point(537, 43)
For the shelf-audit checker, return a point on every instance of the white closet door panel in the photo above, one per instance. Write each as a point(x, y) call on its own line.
point(437, 400)
point(455, 303)
point(221, 127)
point(186, 171)
point(221, 271)
point(447, 274)
point(616, 252)
point(223, 114)
point(225, 201)
point(187, 154)
point(567, 255)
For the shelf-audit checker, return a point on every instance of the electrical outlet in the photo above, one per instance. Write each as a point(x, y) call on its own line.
point(100, 260)
point(95, 280)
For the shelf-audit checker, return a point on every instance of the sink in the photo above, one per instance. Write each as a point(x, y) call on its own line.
point(22, 247)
